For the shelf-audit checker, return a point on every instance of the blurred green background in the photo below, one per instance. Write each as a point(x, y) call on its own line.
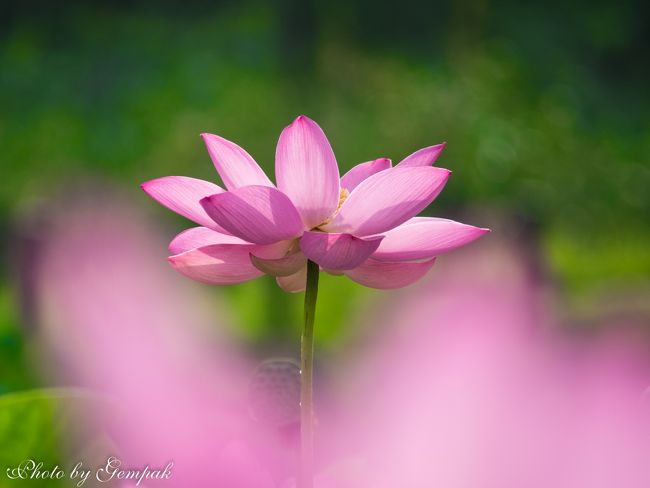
point(544, 106)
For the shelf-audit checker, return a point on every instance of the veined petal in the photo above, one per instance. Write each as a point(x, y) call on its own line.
point(334, 272)
point(294, 283)
point(182, 195)
point(257, 214)
point(360, 172)
point(388, 199)
point(284, 266)
point(220, 264)
point(306, 171)
point(337, 251)
point(235, 166)
point(422, 157)
point(386, 276)
point(200, 237)
point(425, 238)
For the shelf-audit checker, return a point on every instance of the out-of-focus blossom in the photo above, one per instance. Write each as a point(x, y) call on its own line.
point(465, 384)
point(122, 326)
point(471, 385)
point(362, 225)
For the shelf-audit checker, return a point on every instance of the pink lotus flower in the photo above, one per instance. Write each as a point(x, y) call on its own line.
point(362, 225)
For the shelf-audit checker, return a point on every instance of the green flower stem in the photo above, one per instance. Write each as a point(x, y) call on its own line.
point(306, 477)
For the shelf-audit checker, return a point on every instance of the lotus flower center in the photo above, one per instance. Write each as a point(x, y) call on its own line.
point(343, 195)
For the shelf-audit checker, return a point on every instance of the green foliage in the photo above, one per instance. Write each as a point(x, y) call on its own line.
point(33, 426)
point(14, 374)
point(622, 259)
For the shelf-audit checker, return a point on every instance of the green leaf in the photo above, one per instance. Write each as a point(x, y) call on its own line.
point(37, 425)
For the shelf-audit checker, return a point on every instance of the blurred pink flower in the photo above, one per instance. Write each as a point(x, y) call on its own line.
point(465, 385)
point(362, 225)
point(471, 385)
point(121, 325)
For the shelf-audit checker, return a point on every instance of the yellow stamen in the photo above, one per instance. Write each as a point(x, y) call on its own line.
point(343, 195)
